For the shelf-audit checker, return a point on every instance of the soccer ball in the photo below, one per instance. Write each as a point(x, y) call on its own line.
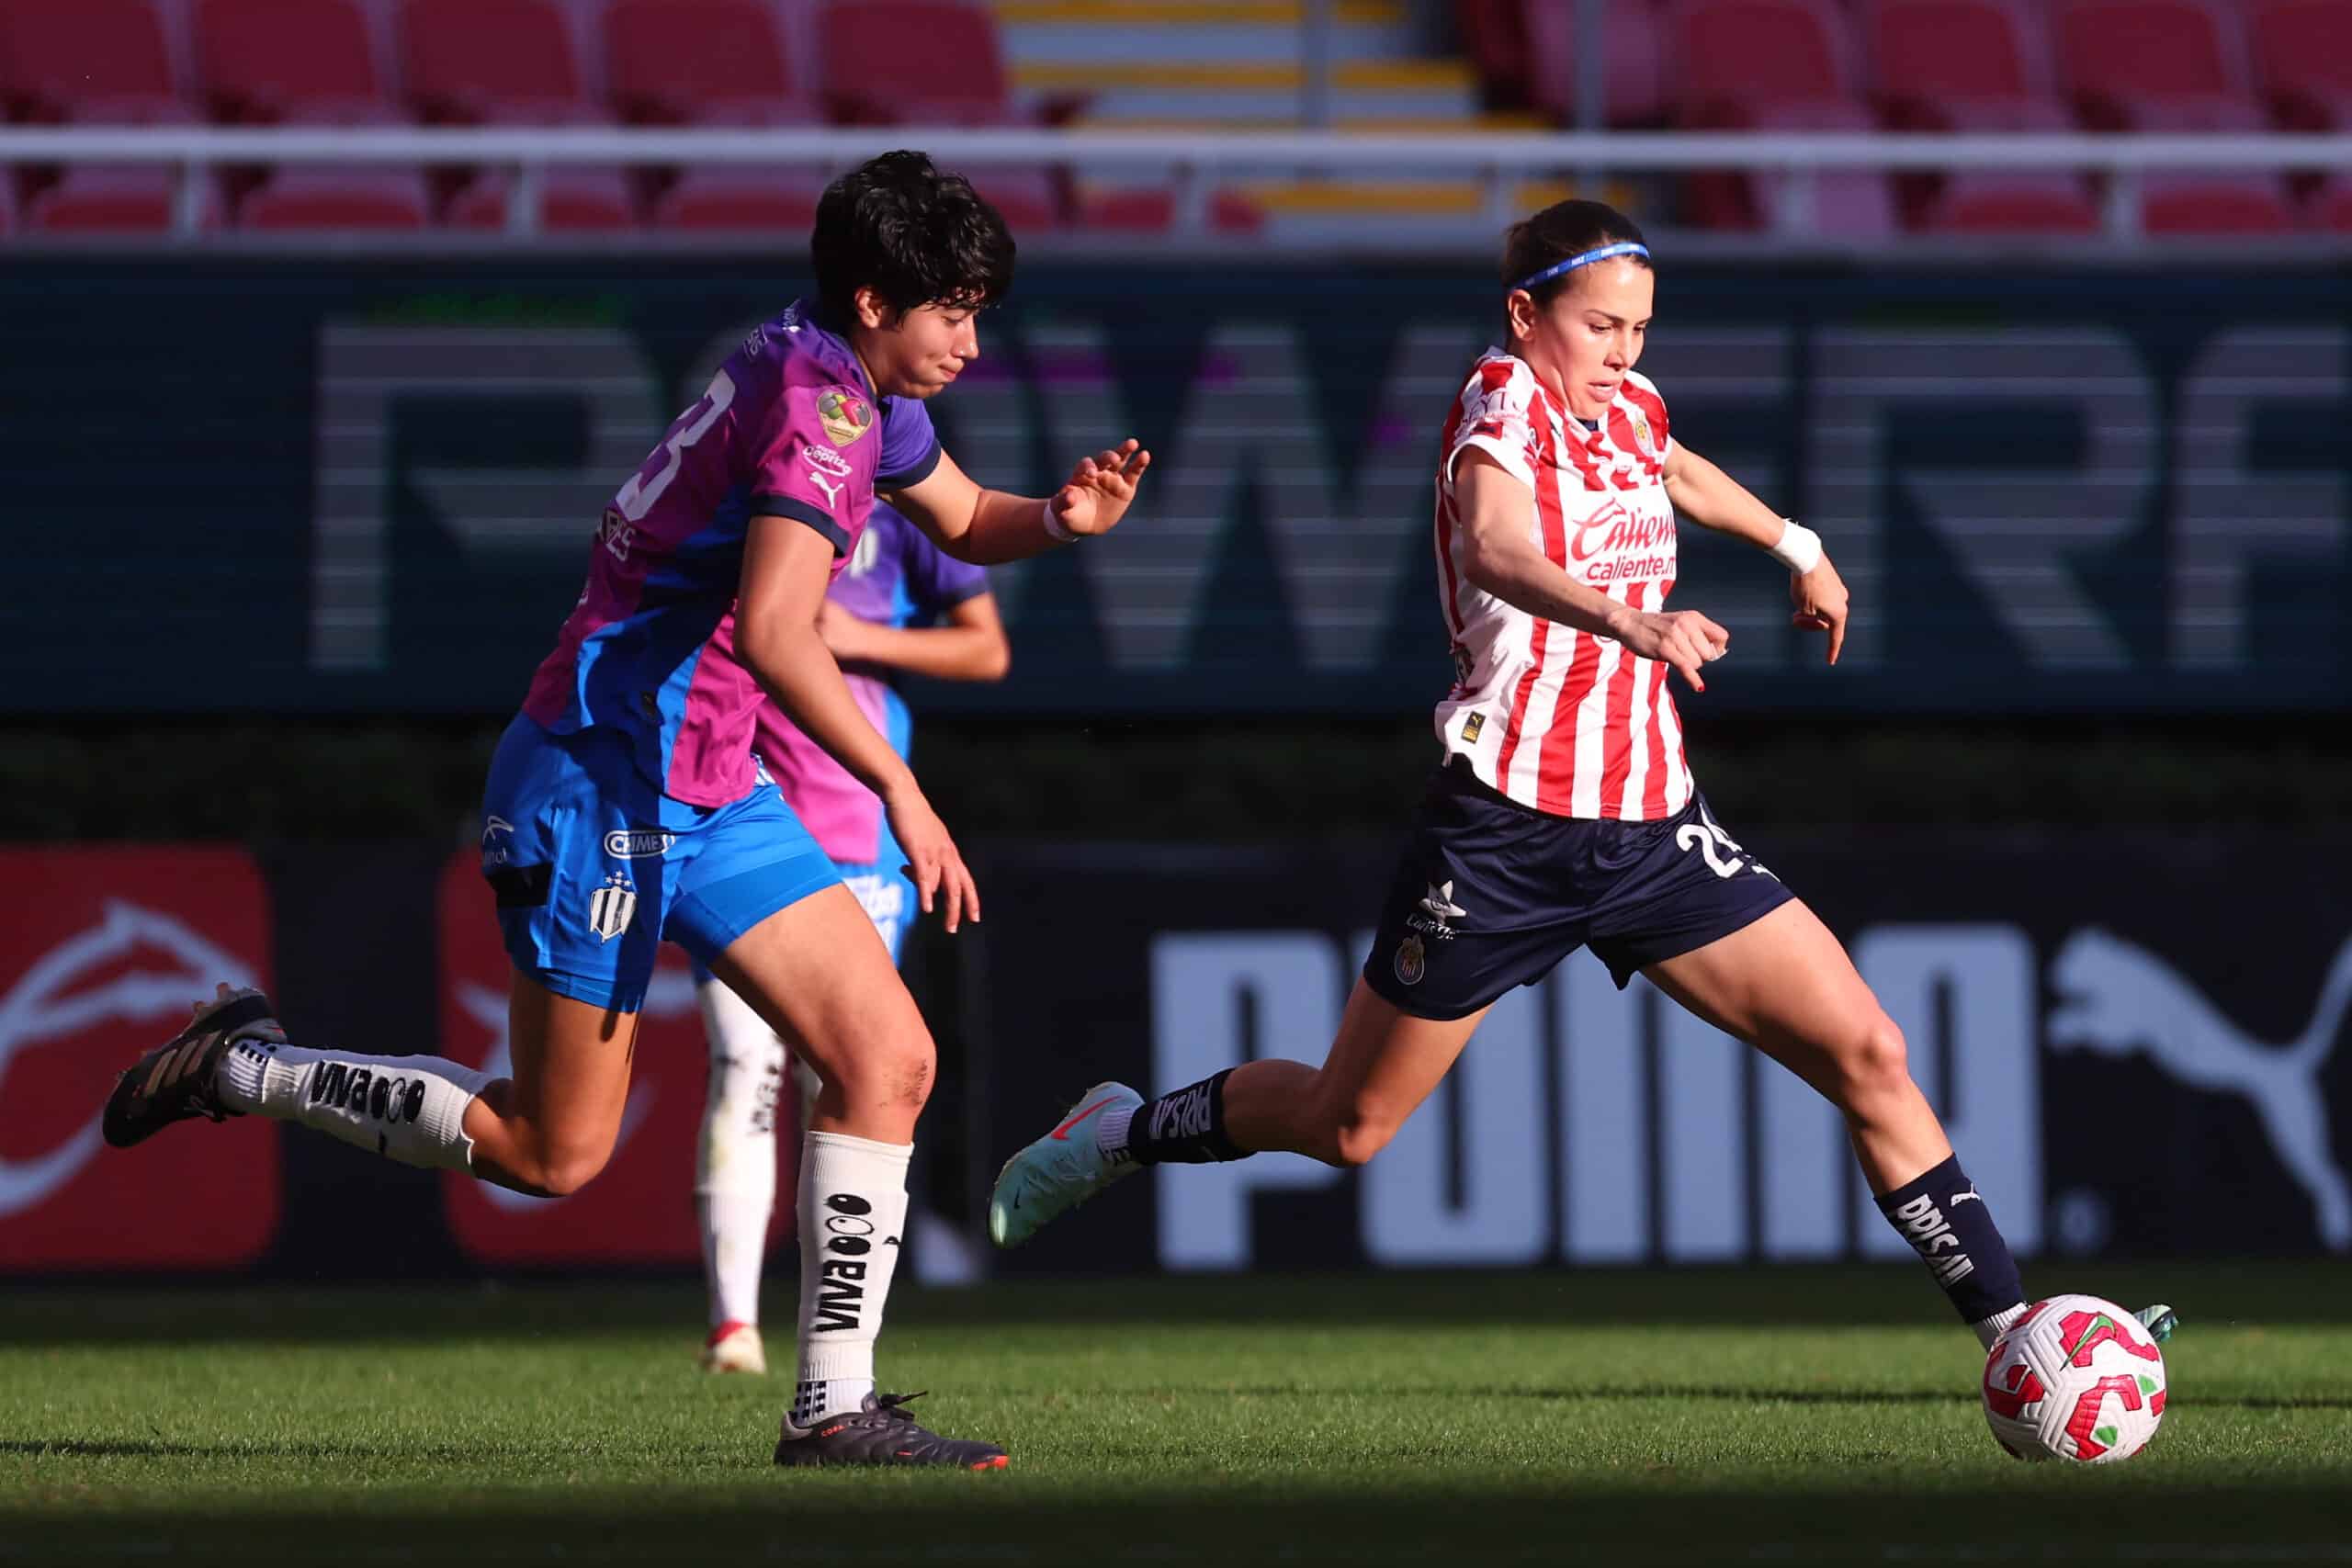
point(2076, 1379)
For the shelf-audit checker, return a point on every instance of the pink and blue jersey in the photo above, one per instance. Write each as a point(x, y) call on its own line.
point(790, 427)
point(895, 577)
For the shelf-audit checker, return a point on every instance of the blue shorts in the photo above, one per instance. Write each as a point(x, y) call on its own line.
point(884, 891)
point(594, 867)
point(1490, 894)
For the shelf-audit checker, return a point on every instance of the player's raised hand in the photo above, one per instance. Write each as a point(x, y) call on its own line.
point(1817, 601)
point(1100, 488)
point(1684, 639)
point(933, 864)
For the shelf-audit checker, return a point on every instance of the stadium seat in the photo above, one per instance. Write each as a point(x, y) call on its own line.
point(2302, 60)
point(308, 61)
point(2211, 201)
point(1494, 36)
point(1846, 203)
point(308, 199)
point(2120, 59)
point(1726, 57)
point(741, 201)
point(700, 61)
point(1925, 53)
point(1636, 95)
point(2331, 206)
point(2014, 201)
point(466, 61)
point(1152, 210)
point(873, 53)
point(58, 60)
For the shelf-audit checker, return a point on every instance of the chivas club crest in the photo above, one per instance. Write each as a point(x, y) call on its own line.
point(844, 415)
point(1412, 962)
point(612, 907)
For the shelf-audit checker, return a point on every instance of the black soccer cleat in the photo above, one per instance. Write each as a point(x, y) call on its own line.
point(881, 1433)
point(174, 1081)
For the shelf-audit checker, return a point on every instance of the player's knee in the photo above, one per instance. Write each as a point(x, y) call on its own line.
point(898, 1074)
point(1875, 1062)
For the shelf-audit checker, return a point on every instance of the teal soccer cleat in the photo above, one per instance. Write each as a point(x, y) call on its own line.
point(1060, 1171)
point(2159, 1320)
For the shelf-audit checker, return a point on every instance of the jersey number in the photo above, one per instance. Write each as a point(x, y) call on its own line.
point(1721, 849)
point(645, 487)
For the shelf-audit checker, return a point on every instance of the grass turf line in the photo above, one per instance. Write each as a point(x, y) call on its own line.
point(1803, 1416)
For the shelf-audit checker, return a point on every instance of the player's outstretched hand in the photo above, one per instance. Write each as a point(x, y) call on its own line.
point(933, 863)
point(1682, 638)
point(1100, 488)
point(1817, 601)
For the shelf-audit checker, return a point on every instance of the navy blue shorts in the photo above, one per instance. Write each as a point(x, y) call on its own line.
point(1490, 894)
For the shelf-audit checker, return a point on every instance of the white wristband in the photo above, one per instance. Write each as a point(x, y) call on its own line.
point(1800, 546)
point(1053, 527)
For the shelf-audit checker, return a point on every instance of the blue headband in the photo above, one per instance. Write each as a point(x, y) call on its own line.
point(1628, 248)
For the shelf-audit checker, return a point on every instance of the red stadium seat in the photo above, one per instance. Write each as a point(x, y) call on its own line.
point(2225, 201)
point(2331, 206)
point(684, 62)
point(468, 61)
point(1149, 210)
point(741, 201)
point(2017, 201)
point(57, 60)
point(279, 60)
point(1494, 34)
point(1931, 51)
point(305, 200)
point(1725, 57)
point(2302, 60)
point(1634, 84)
point(2117, 58)
point(1846, 203)
point(912, 62)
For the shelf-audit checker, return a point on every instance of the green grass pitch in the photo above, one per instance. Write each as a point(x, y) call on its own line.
point(1791, 1417)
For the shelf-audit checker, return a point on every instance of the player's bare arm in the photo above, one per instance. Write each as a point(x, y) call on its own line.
point(1500, 559)
point(987, 528)
point(971, 646)
point(1712, 499)
point(786, 571)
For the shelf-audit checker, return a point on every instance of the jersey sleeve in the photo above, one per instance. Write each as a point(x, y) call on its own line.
point(1644, 394)
point(802, 473)
point(1497, 418)
point(937, 582)
point(909, 446)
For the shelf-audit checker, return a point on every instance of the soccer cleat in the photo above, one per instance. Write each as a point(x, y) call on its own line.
point(734, 1347)
point(880, 1432)
point(1060, 1171)
point(2160, 1321)
point(174, 1081)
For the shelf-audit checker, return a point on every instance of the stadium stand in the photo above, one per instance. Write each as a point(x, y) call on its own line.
point(2302, 60)
point(1635, 79)
point(101, 62)
point(508, 63)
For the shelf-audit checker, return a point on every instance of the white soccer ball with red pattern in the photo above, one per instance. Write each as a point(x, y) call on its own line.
point(2076, 1379)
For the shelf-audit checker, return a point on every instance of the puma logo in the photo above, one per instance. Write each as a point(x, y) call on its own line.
point(2117, 999)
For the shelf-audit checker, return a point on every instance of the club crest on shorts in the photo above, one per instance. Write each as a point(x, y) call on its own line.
point(844, 415)
point(611, 907)
point(1412, 960)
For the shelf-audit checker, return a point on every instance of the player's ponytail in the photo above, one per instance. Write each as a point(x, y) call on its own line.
point(1543, 254)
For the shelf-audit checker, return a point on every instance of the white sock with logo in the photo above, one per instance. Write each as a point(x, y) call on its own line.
point(853, 1212)
point(1990, 1328)
point(735, 1157)
point(411, 1109)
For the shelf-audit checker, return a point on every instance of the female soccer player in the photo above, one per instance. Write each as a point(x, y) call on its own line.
point(901, 605)
point(1564, 814)
point(625, 804)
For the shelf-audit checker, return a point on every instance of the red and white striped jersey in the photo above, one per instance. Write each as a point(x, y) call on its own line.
point(1561, 720)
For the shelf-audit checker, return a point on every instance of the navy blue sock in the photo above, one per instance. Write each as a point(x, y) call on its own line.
point(1185, 1126)
point(1944, 1219)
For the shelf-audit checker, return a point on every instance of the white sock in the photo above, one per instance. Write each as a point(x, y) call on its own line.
point(735, 1157)
point(411, 1109)
point(852, 1214)
point(1989, 1328)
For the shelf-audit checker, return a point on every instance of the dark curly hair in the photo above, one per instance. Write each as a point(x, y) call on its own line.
point(1563, 229)
point(913, 234)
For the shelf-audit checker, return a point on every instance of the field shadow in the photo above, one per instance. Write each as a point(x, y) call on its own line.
point(1660, 1517)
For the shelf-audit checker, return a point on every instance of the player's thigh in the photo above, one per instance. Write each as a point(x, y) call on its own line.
point(818, 971)
point(1785, 984)
point(1383, 1062)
